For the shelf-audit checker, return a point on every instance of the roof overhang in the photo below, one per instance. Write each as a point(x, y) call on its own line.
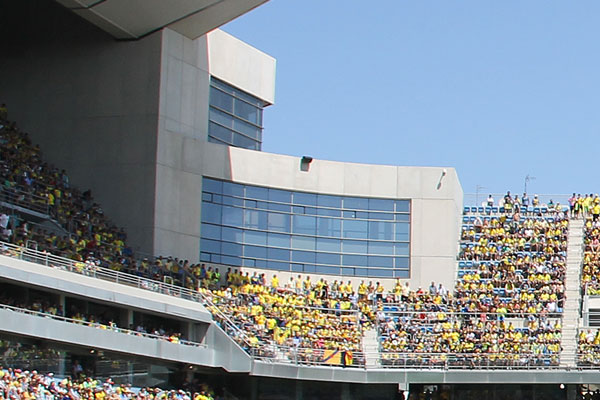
point(132, 19)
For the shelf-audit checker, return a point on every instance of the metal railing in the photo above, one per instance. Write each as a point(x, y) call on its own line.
point(99, 326)
point(20, 197)
point(263, 350)
point(91, 270)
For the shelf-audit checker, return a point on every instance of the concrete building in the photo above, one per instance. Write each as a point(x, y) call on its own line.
point(142, 123)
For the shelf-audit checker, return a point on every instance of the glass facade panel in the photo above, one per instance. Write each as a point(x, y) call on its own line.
point(304, 224)
point(235, 117)
point(304, 232)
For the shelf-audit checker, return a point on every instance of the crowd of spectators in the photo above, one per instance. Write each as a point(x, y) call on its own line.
point(507, 302)
point(588, 347)
point(105, 321)
point(17, 384)
point(590, 273)
point(507, 298)
point(302, 318)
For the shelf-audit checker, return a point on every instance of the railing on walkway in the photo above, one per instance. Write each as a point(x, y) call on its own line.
point(20, 197)
point(269, 352)
point(98, 325)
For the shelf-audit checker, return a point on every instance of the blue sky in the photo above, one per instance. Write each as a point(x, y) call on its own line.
point(497, 90)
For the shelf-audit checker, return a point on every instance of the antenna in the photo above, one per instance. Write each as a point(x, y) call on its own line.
point(528, 179)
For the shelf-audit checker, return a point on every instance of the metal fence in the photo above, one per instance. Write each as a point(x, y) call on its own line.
point(98, 325)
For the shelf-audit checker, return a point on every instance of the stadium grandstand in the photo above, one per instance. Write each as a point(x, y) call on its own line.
point(150, 250)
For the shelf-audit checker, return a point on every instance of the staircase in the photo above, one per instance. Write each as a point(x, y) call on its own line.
point(371, 347)
point(571, 312)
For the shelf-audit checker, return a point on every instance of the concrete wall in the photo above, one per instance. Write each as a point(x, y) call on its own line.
point(89, 101)
point(241, 65)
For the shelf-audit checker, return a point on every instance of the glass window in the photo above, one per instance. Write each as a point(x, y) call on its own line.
point(307, 199)
point(355, 246)
point(297, 267)
point(381, 205)
point(255, 219)
point(353, 260)
point(402, 262)
point(402, 231)
point(220, 117)
point(246, 111)
point(247, 262)
point(328, 258)
point(219, 132)
point(221, 100)
point(278, 222)
point(333, 245)
point(329, 212)
point(349, 214)
point(232, 201)
point(403, 217)
point(328, 227)
point(356, 203)
point(211, 231)
point(231, 249)
point(381, 273)
point(321, 269)
point(280, 207)
point(381, 262)
point(303, 256)
point(304, 224)
point(278, 254)
point(232, 235)
point(255, 224)
point(211, 213)
point(381, 215)
point(247, 130)
point(278, 240)
point(355, 229)
point(360, 271)
point(402, 205)
point(255, 252)
point(233, 216)
point(303, 242)
point(210, 246)
point(381, 230)
point(254, 237)
point(386, 248)
point(324, 200)
point(310, 268)
point(255, 192)
point(401, 274)
point(281, 196)
point(402, 249)
point(279, 266)
point(245, 142)
point(231, 260)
